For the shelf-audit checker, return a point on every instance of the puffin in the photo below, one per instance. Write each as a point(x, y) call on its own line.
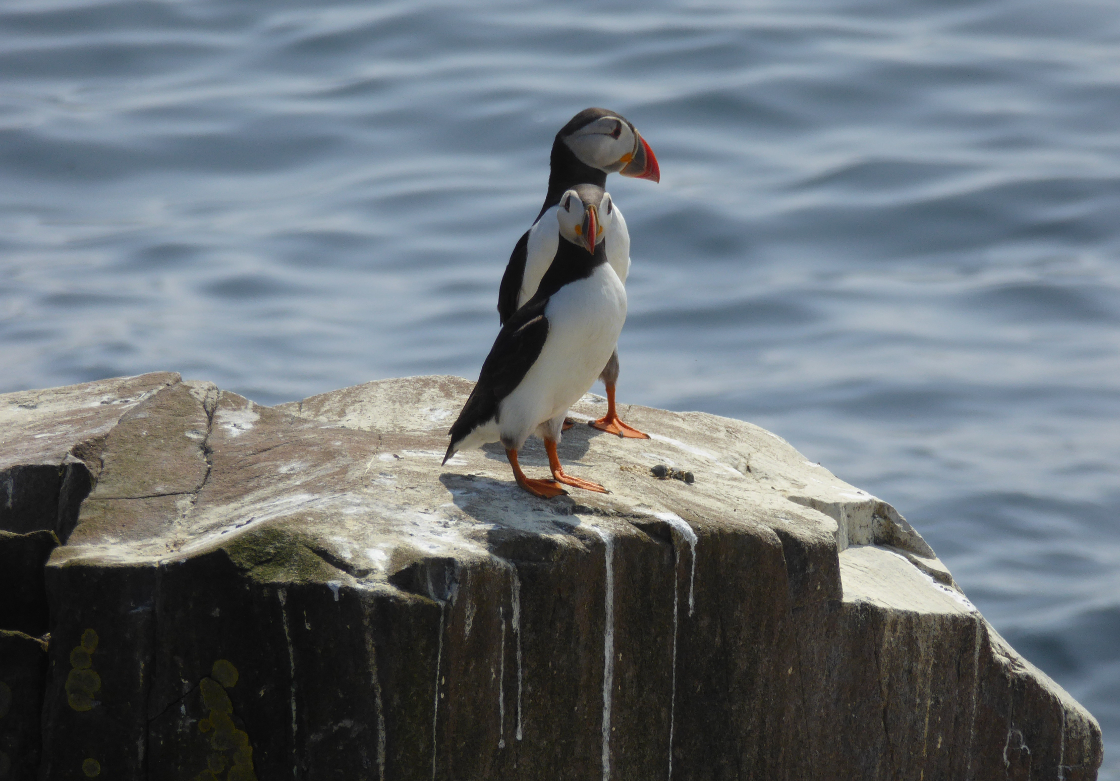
point(594, 143)
point(551, 350)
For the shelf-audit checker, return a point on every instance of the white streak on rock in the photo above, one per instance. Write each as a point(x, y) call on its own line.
point(377, 701)
point(435, 706)
point(1062, 751)
point(696, 451)
point(468, 618)
point(516, 599)
point(502, 681)
point(1022, 746)
point(334, 586)
point(681, 526)
point(291, 657)
point(608, 649)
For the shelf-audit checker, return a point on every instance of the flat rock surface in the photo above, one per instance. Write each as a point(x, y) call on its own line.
point(305, 592)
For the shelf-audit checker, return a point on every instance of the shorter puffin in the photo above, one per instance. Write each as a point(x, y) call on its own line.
point(550, 351)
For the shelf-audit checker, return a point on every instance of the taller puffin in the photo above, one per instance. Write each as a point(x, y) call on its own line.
point(594, 143)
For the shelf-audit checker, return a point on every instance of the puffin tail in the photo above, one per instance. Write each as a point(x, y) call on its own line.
point(450, 452)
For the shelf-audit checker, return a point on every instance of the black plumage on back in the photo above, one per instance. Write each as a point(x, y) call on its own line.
point(516, 349)
point(512, 279)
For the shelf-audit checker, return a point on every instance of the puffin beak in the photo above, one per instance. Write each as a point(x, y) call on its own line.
point(591, 229)
point(643, 165)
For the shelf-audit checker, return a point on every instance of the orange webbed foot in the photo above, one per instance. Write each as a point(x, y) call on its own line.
point(576, 482)
point(614, 425)
point(558, 472)
point(545, 489)
point(568, 423)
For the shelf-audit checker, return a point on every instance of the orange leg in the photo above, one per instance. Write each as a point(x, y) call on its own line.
point(545, 489)
point(558, 472)
point(568, 423)
point(611, 423)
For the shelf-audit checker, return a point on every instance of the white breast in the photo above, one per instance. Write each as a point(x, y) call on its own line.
point(585, 318)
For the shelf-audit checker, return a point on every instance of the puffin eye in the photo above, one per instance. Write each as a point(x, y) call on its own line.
point(568, 204)
point(617, 130)
point(610, 206)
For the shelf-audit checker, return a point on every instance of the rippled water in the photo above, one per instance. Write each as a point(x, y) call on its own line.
point(888, 231)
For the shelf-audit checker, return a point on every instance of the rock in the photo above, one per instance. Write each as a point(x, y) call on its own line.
point(22, 558)
point(23, 669)
point(303, 592)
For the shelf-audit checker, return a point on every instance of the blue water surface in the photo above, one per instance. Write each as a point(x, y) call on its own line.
point(888, 231)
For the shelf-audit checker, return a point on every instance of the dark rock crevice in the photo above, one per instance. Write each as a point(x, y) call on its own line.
point(157, 495)
point(338, 562)
point(23, 606)
point(209, 405)
point(77, 483)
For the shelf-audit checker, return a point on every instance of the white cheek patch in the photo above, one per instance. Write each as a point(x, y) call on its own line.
point(595, 146)
point(606, 217)
point(571, 219)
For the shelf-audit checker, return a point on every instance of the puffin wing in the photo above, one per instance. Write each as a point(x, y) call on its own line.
point(512, 279)
point(516, 349)
point(529, 262)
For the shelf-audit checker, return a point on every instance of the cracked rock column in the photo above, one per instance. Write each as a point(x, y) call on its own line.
point(304, 592)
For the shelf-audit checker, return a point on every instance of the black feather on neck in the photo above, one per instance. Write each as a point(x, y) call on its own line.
point(572, 262)
point(566, 171)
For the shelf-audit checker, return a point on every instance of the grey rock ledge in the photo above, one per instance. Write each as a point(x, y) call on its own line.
point(303, 592)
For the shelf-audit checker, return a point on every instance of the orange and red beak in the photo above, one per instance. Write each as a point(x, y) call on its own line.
point(643, 165)
point(591, 228)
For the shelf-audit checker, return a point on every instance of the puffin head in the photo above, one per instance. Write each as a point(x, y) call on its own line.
point(608, 141)
point(585, 215)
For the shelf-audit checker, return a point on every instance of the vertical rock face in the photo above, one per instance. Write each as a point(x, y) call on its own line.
point(303, 592)
point(48, 445)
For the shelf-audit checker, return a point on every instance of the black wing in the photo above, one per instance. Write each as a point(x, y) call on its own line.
point(512, 279)
point(514, 352)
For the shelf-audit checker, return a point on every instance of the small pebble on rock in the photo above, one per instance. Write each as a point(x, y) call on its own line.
point(663, 472)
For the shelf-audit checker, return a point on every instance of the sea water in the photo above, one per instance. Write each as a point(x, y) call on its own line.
point(888, 231)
